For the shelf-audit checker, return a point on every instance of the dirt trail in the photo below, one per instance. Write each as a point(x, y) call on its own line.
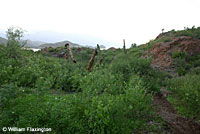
point(176, 123)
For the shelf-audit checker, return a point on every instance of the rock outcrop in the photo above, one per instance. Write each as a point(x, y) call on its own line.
point(162, 52)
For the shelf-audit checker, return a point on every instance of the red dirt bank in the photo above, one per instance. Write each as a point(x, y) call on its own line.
point(162, 51)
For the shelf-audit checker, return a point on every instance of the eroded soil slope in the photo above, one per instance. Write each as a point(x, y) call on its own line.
point(162, 52)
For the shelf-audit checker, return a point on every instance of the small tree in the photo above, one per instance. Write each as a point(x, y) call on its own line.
point(15, 42)
point(14, 36)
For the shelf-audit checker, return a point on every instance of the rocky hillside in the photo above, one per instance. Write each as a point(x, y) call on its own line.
point(173, 49)
point(163, 52)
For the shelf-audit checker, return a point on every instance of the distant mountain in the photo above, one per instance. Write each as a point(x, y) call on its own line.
point(40, 44)
point(90, 47)
point(59, 44)
point(82, 39)
point(102, 46)
point(53, 37)
point(3, 41)
point(29, 43)
point(34, 44)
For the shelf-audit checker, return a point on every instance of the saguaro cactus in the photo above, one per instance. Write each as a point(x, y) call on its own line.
point(70, 52)
point(100, 55)
point(89, 66)
point(124, 47)
point(98, 48)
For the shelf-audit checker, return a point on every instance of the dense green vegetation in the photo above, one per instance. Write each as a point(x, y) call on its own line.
point(186, 95)
point(38, 90)
point(42, 91)
point(186, 89)
point(185, 63)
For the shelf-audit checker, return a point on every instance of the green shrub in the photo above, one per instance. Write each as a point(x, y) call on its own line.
point(102, 81)
point(195, 71)
point(179, 55)
point(81, 113)
point(166, 39)
point(51, 49)
point(7, 92)
point(64, 80)
point(192, 32)
point(193, 60)
point(181, 71)
point(184, 62)
point(14, 43)
point(187, 90)
point(26, 111)
point(128, 66)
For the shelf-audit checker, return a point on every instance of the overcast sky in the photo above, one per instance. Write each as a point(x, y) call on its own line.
point(137, 21)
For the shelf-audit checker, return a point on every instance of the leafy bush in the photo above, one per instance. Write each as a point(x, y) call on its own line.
point(187, 90)
point(7, 92)
point(185, 63)
point(81, 113)
point(128, 66)
point(193, 60)
point(192, 32)
point(102, 81)
point(166, 39)
point(26, 111)
point(14, 43)
point(181, 71)
point(179, 55)
point(195, 71)
point(51, 49)
point(68, 79)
